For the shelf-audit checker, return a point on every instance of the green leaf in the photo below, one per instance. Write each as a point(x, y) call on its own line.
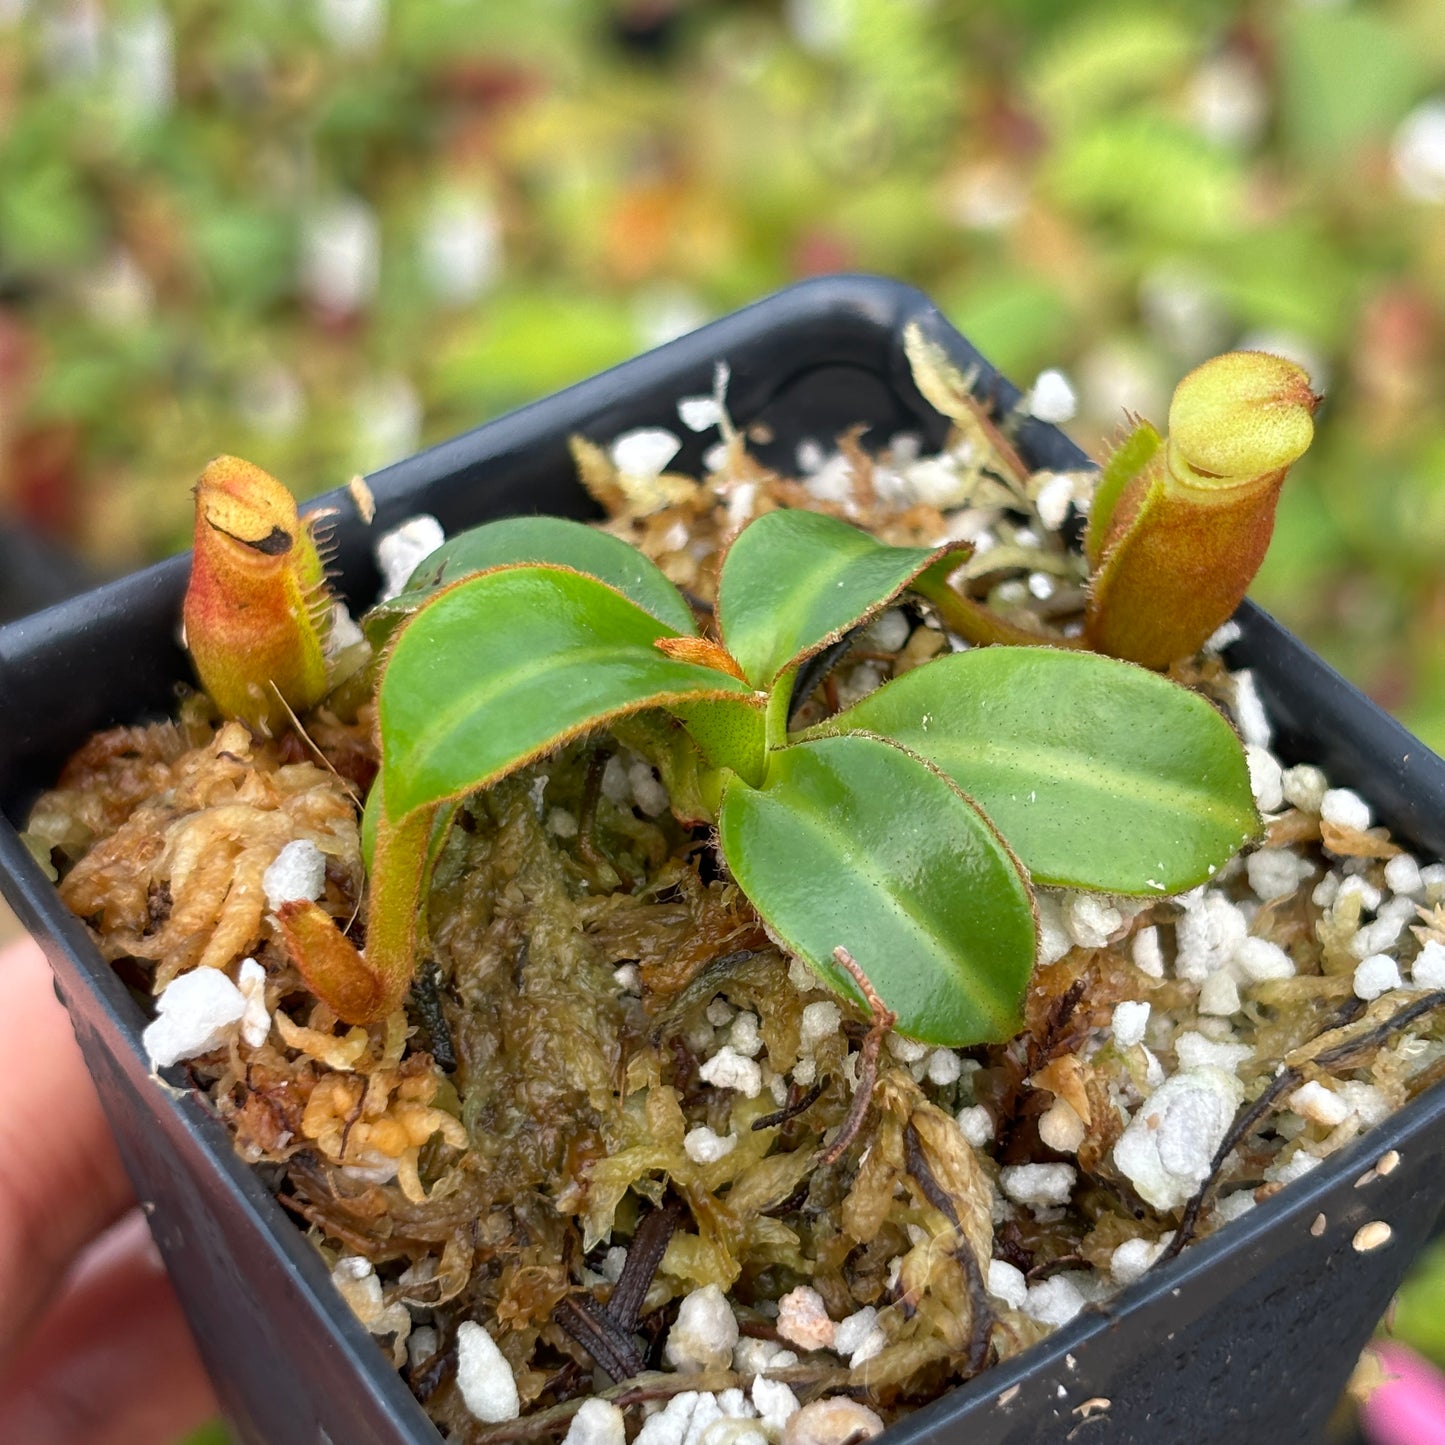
point(794, 581)
point(1099, 773)
point(500, 668)
point(854, 842)
point(537, 539)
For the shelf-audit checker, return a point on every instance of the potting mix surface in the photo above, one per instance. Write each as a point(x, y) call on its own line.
point(605, 1178)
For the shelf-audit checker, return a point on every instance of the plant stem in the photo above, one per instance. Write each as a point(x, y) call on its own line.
point(780, 701)
point(983, 627)
point(395, 906)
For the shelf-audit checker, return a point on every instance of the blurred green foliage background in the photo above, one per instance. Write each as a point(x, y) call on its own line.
point(321, 232)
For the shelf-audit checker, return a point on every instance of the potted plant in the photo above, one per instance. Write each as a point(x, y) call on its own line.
point(813, 361)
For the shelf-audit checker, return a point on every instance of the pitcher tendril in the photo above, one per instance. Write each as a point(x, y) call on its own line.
point(1180, 522)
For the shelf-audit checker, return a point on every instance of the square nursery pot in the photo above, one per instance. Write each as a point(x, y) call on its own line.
point(1248, 1336)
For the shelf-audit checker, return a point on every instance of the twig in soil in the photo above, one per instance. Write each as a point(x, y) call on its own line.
point(426, 995)
point(644, 1254)
point(883, 1020)
point(707, 981)
point(1286, 1079)
point(981, 1316)
point(792, 1109)
point(587, 847)
point(600, 1335)
point(1051, 1040)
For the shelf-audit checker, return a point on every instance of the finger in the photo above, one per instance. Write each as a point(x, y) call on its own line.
point(113, 1362)
point(61, 1180)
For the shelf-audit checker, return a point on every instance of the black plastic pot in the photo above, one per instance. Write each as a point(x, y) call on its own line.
point(1248, 1336)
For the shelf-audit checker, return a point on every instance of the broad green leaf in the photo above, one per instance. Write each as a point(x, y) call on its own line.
point(795, 581)
point(855, 842)
point(1099, 774)
point(551, 540)
point(504, 666)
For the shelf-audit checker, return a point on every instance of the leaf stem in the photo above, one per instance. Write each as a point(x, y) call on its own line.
point(395, 907)
point(983, 627)
point(780, 702)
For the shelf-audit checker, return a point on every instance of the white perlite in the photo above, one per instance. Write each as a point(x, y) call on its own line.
point(1051, 398)
point(1006, 1282)
point(256, 1020)
point(888, 631)
point(760, 1357)
point(705, 1333)
point(907, 1051)
point(1090, 920)
point(597, 1422)
point(1054, 940)
point(489, 1389)
point(1266, 779)
point(1207, 935)
point(803, 1319)
point(1147, 955)
point(1131, 1018)
point(1313, 1101)
point(1194, 1051)
point(297, 875)
point(1275, 873)
point(1428, 970)
point(1040, 1184)
point(1402, 876)
point(1377, 974)
point(1257, 959)
point(1052, 502)
point(1385, 931)
point(744, 1037)
point(1132, 1259)
point(1061, 1128)
point(820, 1021)
point(1345, 809)
point(1167, 1148)
point(1249, 710)
point(703, 1146)
point(832, 1421)
point(690, 1416)
point(401, 551)
point(944, 1068)
point(1219, 995)
point(644, 452)
point(977, 1125)
point(1305, 787)
point(1054, 1301)
point(196, 1013)
point(853, 1331)
point(355, 1281)
point(649, 794)
point(728, 1069)
point(775, 1402)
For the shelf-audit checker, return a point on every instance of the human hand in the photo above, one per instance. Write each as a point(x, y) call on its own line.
point(93, 1346)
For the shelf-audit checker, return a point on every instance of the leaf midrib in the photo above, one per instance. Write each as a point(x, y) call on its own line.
point(815, 821)
point(1092, 775)
point(443, 724)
